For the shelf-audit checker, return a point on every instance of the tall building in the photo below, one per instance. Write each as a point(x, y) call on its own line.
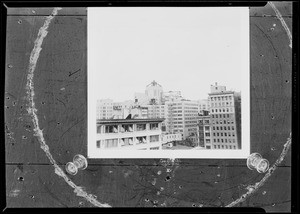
point(182, 118)
point(154, 92)
point(104, 109)
point(225, 111)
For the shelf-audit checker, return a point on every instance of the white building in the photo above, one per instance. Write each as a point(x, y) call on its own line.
point(203, 105)
point(172, 96)
point(182, 118)
point(104, 109)
point(137, 134)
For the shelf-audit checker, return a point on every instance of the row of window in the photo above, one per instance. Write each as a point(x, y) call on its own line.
point(222, 110)
point(223, 128)
point(226, 134)
point(221, 98)
point(221, 122)
point(221, 104)
point(126, 128)
point(224, 140)
point(220, 115)
point(110, 143)
point(224, 147)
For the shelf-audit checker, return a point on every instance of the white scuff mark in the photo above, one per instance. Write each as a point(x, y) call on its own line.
point(43, 31)
point(253, 188)
point(14, 193)
point(279, 16)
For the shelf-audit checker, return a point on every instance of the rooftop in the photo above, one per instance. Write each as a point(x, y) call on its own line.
point(223, 92)
point(114, 121)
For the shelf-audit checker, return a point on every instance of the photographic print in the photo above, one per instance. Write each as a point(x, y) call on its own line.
point(168, 82)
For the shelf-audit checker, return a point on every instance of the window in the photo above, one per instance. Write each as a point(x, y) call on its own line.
point(98, 143)
point(222, 140)
point(217, 127)
point(154, 138)
point(153, 126)
point(111, 129)
point(126, 128)
point(111, 143)
point(228, 127)
point(207, 134)
point(99, 129)
point(140, 127)
point(221, 128)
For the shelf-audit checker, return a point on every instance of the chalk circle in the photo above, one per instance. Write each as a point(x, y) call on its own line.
point(80, 162)
point(71, 168)
point(253, 160)
point(262, 166)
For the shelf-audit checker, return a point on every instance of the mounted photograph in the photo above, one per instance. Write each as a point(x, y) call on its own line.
point(167, 82)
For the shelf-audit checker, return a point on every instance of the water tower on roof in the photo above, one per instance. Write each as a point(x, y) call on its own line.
point(154, 92)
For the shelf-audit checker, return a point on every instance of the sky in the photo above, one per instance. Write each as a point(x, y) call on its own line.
point(183, 49)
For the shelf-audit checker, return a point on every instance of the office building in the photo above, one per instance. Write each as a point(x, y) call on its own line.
point(138, 134)
point(225, 112)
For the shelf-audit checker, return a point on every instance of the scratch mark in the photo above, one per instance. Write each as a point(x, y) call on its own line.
point(61, 102)
point(70, 74)
point(278, 14)
point(253, 188)
point(43, 31)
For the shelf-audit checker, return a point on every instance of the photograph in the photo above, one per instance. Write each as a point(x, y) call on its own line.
point(170, 81)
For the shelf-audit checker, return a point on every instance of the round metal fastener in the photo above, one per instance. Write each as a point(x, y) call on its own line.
point(262, 166)
point(71, 168)
point(253, 160)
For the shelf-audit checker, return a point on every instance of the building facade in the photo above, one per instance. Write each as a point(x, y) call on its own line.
point(182, 118)
point(204, 131)
point(104, 109)
point(138, 134)
point(225, 112)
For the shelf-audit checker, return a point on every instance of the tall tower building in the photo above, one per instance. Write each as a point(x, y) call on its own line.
point(154, 92)
point(225, 111)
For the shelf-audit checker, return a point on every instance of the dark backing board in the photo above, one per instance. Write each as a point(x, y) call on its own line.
point(61, 99)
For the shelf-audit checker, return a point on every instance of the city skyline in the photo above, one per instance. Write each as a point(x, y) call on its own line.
point(173, 47)
point(165, 91)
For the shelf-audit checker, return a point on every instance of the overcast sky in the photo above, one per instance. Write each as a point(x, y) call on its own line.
point(183, 49)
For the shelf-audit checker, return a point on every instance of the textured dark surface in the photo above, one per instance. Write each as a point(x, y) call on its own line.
point(60, 83)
